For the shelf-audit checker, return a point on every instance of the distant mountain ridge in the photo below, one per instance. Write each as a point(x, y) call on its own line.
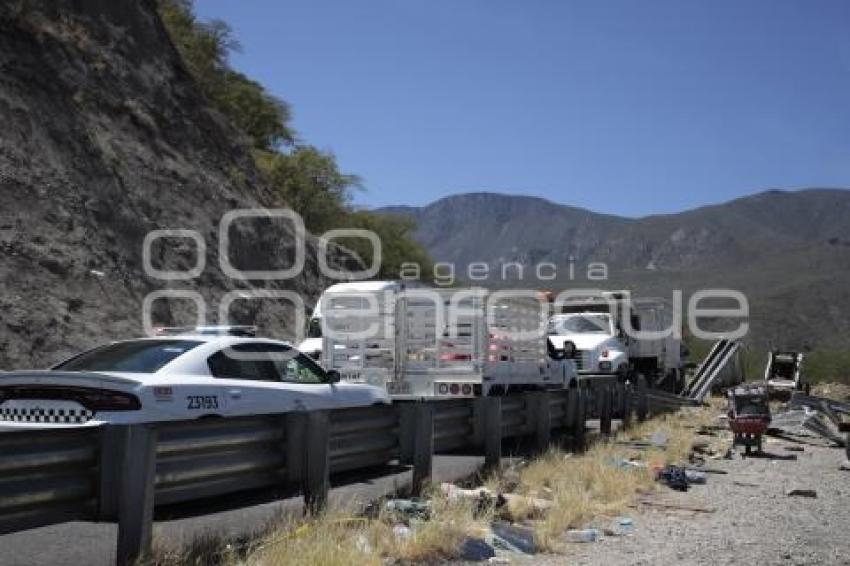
point(789, 251)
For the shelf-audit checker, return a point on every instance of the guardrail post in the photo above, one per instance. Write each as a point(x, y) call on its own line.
point(423, 446)
point(135, 489)
point(307, 456)
point(407, 431)
point(580, 418)
point(643, 400)
point(626, 415)
point(538, 413)
point(488, 429)
point(316, 478)
point(605, 410)
point(110, 464)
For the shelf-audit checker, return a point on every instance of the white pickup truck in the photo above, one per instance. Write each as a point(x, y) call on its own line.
point(596, 325)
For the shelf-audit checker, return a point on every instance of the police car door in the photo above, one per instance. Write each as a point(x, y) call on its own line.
point(256, 379)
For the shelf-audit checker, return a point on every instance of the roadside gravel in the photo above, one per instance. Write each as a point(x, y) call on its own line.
point(748, 517)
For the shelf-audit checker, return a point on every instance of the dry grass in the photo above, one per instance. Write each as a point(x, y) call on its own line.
point(595, 484)
point(331, 539)
point(577, 489)
point(441, 537)
point(338, 538)
point(837, 391)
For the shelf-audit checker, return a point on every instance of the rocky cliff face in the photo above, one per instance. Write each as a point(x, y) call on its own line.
point(105, 138)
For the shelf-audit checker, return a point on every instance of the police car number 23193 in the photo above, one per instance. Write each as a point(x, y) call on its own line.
point(196, 402)
point(175, 377)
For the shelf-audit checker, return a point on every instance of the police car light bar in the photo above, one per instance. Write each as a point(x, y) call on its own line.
point(224, 330)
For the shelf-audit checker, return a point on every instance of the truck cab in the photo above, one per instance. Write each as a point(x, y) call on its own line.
point(599, 348)
point(338, 296)
point(606, 330)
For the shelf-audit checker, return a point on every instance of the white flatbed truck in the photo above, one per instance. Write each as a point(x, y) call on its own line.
point(442, 343)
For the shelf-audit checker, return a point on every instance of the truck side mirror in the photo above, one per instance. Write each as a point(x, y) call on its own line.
point(569, 350)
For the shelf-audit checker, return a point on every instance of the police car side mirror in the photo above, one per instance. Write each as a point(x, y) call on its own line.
point(332, 376)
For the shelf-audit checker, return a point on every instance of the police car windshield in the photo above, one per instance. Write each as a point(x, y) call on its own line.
point(140, 356)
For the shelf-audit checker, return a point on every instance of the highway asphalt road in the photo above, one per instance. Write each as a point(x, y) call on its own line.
point(93, 544)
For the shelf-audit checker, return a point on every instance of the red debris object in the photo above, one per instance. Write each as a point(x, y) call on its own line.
point(749, 415)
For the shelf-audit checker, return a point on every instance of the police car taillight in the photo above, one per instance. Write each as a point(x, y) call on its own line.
point(110, 401)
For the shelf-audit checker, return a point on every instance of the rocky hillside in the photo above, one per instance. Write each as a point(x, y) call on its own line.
point(105, 137)
point(788, 251)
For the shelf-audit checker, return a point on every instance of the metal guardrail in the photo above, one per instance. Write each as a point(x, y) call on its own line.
point(363, 437)
point(47, 478)
point(198, 459)
point(454, 425)
point(120, 472)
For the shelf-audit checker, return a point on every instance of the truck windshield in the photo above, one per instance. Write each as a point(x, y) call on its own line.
point(314, 329)
point(581, 324)
point(137, 356)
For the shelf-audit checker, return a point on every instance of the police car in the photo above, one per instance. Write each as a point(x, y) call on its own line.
point(188, 374)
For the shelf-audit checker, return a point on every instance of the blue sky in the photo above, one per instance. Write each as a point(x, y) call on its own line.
point(626, 107)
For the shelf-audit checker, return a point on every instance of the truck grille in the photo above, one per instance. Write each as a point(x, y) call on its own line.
point(583, 361)
point(56, 412)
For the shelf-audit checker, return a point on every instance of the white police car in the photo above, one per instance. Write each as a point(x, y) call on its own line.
point(187, 375)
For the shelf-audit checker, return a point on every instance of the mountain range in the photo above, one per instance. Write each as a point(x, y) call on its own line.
point(787, 251)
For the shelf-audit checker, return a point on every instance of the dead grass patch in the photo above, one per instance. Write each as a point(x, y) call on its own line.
point(599, 482)
point(577, 488)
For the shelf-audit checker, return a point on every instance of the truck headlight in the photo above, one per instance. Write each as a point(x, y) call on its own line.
point(605, 366)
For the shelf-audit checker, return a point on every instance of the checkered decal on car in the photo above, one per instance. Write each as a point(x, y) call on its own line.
point(45, 415)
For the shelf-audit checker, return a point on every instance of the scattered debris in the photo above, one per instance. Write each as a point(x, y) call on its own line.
point(801, 493)
point(476, 550)
point(722, 360)
point(782, 376)
point(695, 476)
point(794, 448)
point(623, 526)
point(749, 416)
point(674, 477)
point(484, 498)
point(845, 465)
point(676, 506)
point(659, 439)
point(745, 484)
point(583, 535)
point(805, 422)
point(513, 537)
point(409, 508)
point(487, 498)
point(706, 470)
point(829, 407)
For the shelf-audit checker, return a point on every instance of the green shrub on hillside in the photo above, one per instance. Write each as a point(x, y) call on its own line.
point(205, 47)
point(306, 179)
point(309, 181)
